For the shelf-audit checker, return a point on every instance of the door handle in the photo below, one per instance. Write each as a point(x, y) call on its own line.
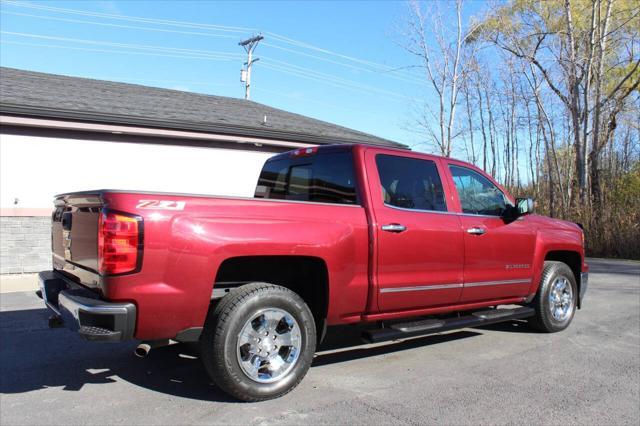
point(476, 231)
point(394, 227)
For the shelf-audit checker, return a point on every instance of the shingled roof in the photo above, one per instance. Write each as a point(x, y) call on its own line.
point(43, 95)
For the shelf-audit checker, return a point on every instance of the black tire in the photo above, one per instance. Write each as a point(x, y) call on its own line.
point(219, 340)
point(544, 320)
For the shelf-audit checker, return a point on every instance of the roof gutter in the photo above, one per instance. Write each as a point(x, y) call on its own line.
point(94, 119)
point(11, 120)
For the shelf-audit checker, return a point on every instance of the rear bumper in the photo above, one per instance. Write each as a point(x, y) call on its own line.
point(83, 311)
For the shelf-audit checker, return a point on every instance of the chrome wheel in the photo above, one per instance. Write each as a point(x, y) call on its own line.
point(269, 345)
point(561, 299)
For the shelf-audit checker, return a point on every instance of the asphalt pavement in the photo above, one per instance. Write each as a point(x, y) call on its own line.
point(501, 374)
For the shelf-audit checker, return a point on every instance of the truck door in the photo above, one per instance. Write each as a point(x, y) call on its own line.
point(420, 244)
point(498, 253)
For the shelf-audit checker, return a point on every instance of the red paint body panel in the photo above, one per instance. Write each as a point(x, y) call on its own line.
point(184, 247)
point(503, 253)
point(429, 253)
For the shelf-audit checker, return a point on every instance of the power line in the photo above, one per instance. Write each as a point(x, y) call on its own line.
point(294, 42)
point(279, 69)
point(88, 49)
point(355, 67)
point(309, 72)
point(224, 28)
point(80, 21)
point(188, 82)
point(403, 99)
point(106, 24)
point(126, 45)
point(157, 53)
point(377, 67)
point(277, 65)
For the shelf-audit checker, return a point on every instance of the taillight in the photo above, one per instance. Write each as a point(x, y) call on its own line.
point(119, 243)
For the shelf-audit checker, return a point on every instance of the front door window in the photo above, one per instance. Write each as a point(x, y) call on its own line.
point(477, 194)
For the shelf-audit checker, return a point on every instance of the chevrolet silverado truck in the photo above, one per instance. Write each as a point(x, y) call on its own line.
point(410, 243)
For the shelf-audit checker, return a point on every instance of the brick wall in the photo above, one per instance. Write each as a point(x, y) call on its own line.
point(25, 244)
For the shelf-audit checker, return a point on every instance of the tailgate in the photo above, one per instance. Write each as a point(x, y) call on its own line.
point(74, 231)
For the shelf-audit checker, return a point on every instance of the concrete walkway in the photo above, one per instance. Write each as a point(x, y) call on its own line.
point(21, 282)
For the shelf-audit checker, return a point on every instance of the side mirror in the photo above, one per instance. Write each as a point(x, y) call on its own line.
point(524, 206)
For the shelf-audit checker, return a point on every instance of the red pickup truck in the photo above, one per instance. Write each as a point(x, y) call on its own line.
point(412, 243)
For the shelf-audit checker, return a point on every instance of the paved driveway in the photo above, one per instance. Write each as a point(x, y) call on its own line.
point(589, 374)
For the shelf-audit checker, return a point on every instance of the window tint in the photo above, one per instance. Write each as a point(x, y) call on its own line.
point(323, 177)
point(410, 183)
point(477, 194)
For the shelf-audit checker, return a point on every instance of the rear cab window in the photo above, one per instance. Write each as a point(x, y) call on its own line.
point(322, 176)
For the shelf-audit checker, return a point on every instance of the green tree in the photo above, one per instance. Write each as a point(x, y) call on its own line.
point(588, 53)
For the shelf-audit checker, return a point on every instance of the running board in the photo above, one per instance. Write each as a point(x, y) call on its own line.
point(431, 326)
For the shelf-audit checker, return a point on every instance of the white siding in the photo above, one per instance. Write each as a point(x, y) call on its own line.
point(34, 169)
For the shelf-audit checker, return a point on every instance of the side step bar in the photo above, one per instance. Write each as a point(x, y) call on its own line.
point(432, 326)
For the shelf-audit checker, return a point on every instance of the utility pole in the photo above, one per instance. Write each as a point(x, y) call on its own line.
point(245, 74)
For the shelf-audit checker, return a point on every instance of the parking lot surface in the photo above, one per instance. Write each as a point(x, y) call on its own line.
point(501, 374)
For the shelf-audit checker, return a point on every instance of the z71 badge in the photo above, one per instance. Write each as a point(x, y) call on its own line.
point(161, 205)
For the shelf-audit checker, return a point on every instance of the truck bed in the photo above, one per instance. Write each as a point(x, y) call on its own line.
point(186, 238)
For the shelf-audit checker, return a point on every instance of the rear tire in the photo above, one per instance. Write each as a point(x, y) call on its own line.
point(258, 342)
point(555, 301)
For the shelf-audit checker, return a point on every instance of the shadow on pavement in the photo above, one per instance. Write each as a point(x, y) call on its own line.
point(33, 357)
point(346, 345)
point(514, 326)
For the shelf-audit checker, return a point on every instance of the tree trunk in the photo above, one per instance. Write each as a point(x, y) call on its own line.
point(470, 122)
point(484, 134)
point(574, 107)
point(596, 143)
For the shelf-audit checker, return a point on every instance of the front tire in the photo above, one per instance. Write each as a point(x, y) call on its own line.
point(259, 341)
point(555, 301)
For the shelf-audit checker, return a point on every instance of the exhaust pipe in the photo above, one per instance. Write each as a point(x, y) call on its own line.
point(143, 349)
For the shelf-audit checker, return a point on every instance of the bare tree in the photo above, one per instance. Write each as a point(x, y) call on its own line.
point(546, 35)
point(445, 58)
point(469, 103)
point(550, 105)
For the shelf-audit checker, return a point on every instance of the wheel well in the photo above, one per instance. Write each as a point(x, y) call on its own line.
point(571, 258)
point(307, 276)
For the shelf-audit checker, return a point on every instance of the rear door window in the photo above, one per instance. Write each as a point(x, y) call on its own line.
point(410, 183)
point(322, 177)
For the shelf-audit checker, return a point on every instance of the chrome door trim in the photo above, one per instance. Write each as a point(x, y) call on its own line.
point(391, 206)
point(437, 211)
point(454, 285)
point(500, 282)
point(420, 288)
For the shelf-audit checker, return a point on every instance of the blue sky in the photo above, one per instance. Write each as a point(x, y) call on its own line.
point(346, 76)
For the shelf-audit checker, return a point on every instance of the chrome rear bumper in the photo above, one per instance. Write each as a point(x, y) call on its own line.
point(83, 311)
